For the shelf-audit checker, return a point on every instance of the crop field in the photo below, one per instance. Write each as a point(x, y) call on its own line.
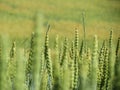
point(16, 16)
point(59, 45)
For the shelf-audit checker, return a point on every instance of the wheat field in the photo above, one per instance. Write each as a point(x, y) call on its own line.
point(59, 45)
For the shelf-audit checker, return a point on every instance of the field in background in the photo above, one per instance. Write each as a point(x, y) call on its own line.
point(16, 17)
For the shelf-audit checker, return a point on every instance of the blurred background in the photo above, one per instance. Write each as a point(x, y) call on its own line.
point(17, 17)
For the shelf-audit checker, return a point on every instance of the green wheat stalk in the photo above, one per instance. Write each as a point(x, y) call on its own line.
point(48, 60)
point(5, 84)
point(117, 67)
point(94, 66)
point(111, 61)
point(20, 71)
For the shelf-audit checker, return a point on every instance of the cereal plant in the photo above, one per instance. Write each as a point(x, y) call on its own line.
point(70, 65)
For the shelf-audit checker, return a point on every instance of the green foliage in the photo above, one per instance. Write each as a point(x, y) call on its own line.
point(117, 67)
point(69, 68)
point(5, 83)
point(20, 71)
point(111, 61)
point(94, 65)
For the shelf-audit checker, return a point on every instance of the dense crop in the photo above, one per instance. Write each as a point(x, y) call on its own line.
point(68, 67)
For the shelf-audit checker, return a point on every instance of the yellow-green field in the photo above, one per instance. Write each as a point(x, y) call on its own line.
point(51, 54)
point(16, 16)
